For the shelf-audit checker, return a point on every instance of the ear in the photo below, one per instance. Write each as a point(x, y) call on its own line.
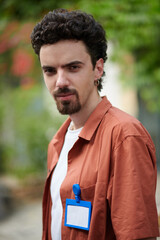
point(99, 69)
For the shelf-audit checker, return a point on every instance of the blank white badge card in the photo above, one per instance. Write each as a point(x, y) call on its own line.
point(78, 215)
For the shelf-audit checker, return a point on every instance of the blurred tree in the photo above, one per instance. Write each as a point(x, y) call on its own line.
point(133, 27)
point(17, 62)
point(31, 10)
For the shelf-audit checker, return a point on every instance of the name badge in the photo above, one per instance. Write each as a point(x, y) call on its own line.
point(78, 212)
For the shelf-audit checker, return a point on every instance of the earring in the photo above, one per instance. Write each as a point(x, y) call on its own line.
point(96, 83)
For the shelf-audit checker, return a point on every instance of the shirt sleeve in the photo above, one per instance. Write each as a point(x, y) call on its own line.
point(132, 199)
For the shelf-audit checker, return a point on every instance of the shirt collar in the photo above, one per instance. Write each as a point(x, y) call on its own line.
point(94, 119)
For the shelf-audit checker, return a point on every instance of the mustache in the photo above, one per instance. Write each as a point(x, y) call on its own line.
point(64, 90)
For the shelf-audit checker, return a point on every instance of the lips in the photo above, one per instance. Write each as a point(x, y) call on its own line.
point(65, 97)
point(64, 94)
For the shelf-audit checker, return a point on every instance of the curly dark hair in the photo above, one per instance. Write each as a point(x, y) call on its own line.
point(64, 25)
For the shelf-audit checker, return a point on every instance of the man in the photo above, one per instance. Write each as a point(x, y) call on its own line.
point(104, 150)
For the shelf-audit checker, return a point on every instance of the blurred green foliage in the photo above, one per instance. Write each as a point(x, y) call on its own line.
point(29, 10)
point(133, 28)
point(26, 128)
point(26, 123)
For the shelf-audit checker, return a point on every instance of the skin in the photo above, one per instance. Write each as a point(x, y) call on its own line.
point(67, 64)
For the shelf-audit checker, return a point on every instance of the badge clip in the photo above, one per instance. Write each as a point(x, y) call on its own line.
point(77, 212)
point(77, 192)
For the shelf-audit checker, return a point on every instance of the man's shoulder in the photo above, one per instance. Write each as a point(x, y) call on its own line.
point(116, 117)
point(119, 126)
point(123, 124)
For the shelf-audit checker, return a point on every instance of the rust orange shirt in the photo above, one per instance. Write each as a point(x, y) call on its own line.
point(114, 163)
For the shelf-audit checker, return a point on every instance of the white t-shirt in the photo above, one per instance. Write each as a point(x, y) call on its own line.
point(58, 176)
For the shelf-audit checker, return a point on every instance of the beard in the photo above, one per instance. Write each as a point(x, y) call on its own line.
point(69, 106)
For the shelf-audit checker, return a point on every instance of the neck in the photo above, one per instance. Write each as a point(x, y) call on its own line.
point(82, 116)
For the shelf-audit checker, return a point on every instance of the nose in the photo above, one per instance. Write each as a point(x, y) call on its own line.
point(61, 80)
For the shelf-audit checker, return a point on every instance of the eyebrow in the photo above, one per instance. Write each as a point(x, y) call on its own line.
point(47, 67)
point(63, 66)
point(72, 63)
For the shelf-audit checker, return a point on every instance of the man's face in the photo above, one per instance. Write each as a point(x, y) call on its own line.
point(69, 75)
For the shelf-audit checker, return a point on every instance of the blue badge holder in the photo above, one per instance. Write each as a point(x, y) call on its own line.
point(79, 205)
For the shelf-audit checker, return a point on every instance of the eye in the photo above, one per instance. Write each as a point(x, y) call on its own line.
point(49, 71)
point(74, 68)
